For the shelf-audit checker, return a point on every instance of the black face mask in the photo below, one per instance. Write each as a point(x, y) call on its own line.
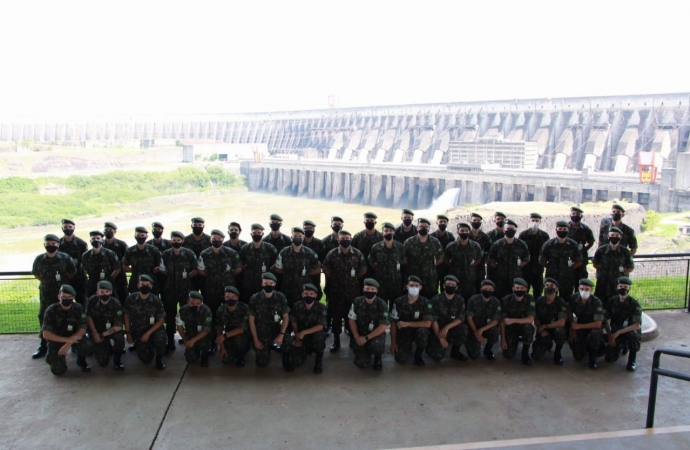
point(66, 301)
point(157, 234)
point(256, 237)
point(177, 244)
point(96, 244)
point(519, 294)
point(476, 225)
point(275, 226)
point(616, 217)
point(562, 234)
point(346, 243)
point(104, 298)
point(197, 231)
point(369, 225)
point(140, 240)
point(388, 237)
point(217, 244)
point(450, 290)
point(549, 290)
point(369, 294)
point(194, 309)
point(423, 231)
point(575, 219)
point(622, 291)
point(108, 234)
point(510, 233)
point(464, 236)
point(269, 289)
point(297, 241)
point(614, 240)
point(234, 235)
point(68, 231)
point(309, 233)
point(442, 226)
point(145, 289)
point(51, 248)
point(486, 293)
point(336, 228)
point(308, 300)
point(407, 222)
point(230, 303)
point(500, 223)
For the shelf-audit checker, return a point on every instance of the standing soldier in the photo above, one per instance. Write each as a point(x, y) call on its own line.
point(161, 245)
point(411, 319)
point(422, 254)
point(582, 234)
point(507, 256)
point(275, 237)
point(611, 261)
point(194, 325)
point(550, 314)
point(483, 313)
point(232, 328)
point(463, 257)
point(329, 243)
point(367, 238)
point(141, 259)
point(562, 259)
point(481, 238)
point(517, 320)
point(445, 238)
point(535, 239)
point(144, 317)
point(315, 244)
point(120, 248)
point(99, 264)
point(269, 317)
point(52, 268)
point(308, 319)
point(75, 248)
point(494, 236)
point(623, 324)
point(449, 329)
point(197, 242)
point(297, 264)
point(343, 267)
point(256, 257)
point(586, 333)
point(234, 241)
point(368, 318)
point(104, 317)
point(385, 259)
point(406, 230)
point(64, 326)
point(628, 238)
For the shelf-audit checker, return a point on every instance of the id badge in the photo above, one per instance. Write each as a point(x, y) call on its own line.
point(198, 328)
point(102, 275)
point(184, 274)
point(397, 267)
point(352, 273)
point(276, 318)
point(371, 326)
point(452, 317)
point(416, 314)
point(263, 268)
point(107, 325)
point(69, 328)
point(152, 320)
point(304, 272)
point(621, 269)
point(57, 277)
point(227, 268)
point(579, 247)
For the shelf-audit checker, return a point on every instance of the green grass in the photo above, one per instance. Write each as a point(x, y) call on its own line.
point(660, 292)
point(19, 306)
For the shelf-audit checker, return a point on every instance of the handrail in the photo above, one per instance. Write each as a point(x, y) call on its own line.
point(656, 371)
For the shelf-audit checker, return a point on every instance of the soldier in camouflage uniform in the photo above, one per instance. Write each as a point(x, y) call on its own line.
point(343, 267)
point(623, 323)
point(144, 318)
point(329, 243)
point(197, 242)
point(481, 238)
point(550, 314)
point(508, 256)
point(368, 318)
point(449, 328)
point(275, 237)
point(422, 254)
point(64, 327)
point(535, 239)
point(235, 243)
point(52, 269)
point(269, 317)
point(628, 238)
point(495, 235)
point(586, 332)
point(194, 325)
point(179, 265)
point(562, 259)
point(75, 248)
point(582, 234)
point(99, 263)
point(385, 259)
point(406, 230)
point(297, 264)
point(161, 245)
point(120, 248)
point(366, 239)
point(411, 319)
point(463, 257)
point(257, 258)
point(483, 313)
point(517, 320)
point(141, 259)
point(612, 261)
point(445, 238)
point(308, 319)
point(315, 244)
point(232, 328)
point(104, 317)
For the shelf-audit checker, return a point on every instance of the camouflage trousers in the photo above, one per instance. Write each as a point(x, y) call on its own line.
point(631, 339)
point(57, 363)
point(375, 347)
point(237, 346)
point(542, 344)
point(406, 337)
point(156, 345)
point(474, 346)
point(202, 346)
point(312, 343)
point(513, 333)
point(534, 276)
point(264, 356)
point(456, 337)
point(587, 341)
point(102, 350)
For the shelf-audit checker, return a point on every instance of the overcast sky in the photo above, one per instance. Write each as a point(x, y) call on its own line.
point(138, 57)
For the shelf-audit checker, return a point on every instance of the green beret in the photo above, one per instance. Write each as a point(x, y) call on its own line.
point(337, 219)
point(51, 237)
point(488, 283)
point(388, 225)
point(442, 217)
point(67, 289)
point(535, 215)
point(105, 285)
point(235, 224)
point(521, 282)
point(451, 278)
point(616, 230)
point(424, 220)
point(257, 226)
point(70, 221)
point(500, 214)
point(218, 233)
point(562, 223)
point(310, 287)
point(344, 233)
point(297, 230)
point(370, 215)
point(233, 290)
point(178, 234)
point(141, 230)
point(624, 280)
point(275, 217)
point(157, 225)
point(618, 206)
point(96, 233)
point(196, 294)
point(145, 278)
point(414, 278)
point(371, 282)
point(585, 282)
point(110, 225)
point(511, 222)
point(198, 220)
point(551, 280)
point(407, 211)
point(577, 208)
point(474, 214)
point(464, 225)
point(269, 276)
point(308, 223)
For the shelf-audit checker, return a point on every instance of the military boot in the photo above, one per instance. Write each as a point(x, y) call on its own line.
point(489, 353)
point(557, 357)
point(632, 361)
point(378, 365)
point(336, 344)
point(81, 362)
point(287, 363)
point(41, 351)
point(117, 362)
point(457, 354)
point(418, 360)
point(318, 363)
point(592, 360)
point(160, 365)
point(526, 360)
point(203, 362)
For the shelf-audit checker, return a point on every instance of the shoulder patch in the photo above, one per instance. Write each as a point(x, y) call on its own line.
point(531, 304)
point(119, 313)
point(83, 316)
point(430, 306)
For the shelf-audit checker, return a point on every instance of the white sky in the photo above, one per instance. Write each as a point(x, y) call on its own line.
point(137, 57)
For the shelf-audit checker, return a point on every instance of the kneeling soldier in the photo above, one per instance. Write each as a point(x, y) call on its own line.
point(483, 313)
point(517, 320)
point(368, 318)
point(104, 316)
point(551, 312)
point(625, 328)
point(194, 325)
point(308, 318)
point(586, 334)
point(64, 326)
point(232, 328)
point(412, 316)
point(144, 317)
point(449, 327)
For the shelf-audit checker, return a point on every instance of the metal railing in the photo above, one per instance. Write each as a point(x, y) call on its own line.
point(658, 371)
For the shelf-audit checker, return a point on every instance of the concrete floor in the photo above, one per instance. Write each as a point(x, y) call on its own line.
point(343, 408)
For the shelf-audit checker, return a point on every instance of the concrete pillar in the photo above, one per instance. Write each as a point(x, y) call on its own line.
point(508, 192)
point(398, 190)
point(388, 189)
point(328, 186)
point(366, 197)
point(347, 188)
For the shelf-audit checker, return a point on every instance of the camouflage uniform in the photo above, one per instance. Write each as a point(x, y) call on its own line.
point(143, 313)
point(120, 283)
point(368, 317)
point(65, 323)
point(160, 278)
point(404, 311)
point(401, 235)
point(480, 271)
point(280, 242)
point(99, 267)
point(343, 282)
point(218, 268)
point(421, 262)
point(586, 312)
point(461, 257)
point(445, 312)
point(445, 240)
point(548, 313)
point(507, 255)
point(238, 247)
point(512, 308)
point(315, 245)
point(226, 321)
point(482, 312)
point(533, 272)
point(75, 249)
point(583, 236)
point(623, 314)
point(305, 319)
point(256, 262)
point(297, 266)
point(388, 264)
point(104, 317)
point(494, 236)
point(268, 313)
point(195, 323)
point(239, 278)
point(556, 257)
point(613, 263)
point(177, 284)
point(48, 269)
point(197, 246)
point(142, 262)
point(628, 239)
point(328, 243)
point(364, 242)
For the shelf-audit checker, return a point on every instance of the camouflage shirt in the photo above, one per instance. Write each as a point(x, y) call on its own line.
point(368, 316)
point(103, 314)
point(402, 235)
point(280, 242)
point(53, 273)
point(512, 308)
point(344, 269)
point(507, 255)
point(307, 318)
point(556, 257)
point(623, 313)
point(256, 262)
point(227, 320)
point(446, 310)
point(583, 236)
point(118, 246)
point(142, 261)
point(446, 239)
point(75, 249)
point(177, 268)
point(586, 311)
point(99, 266)
point(328, 243)
point(534, 241)
point(194, 323)
point(143, 313)
point(267, 313)
point(495, 235)
point(461, 258)
point(421, 258)
point(612, 264)
point(162, 246)
point(404, 311)
point(238, 247)
point(64, 322)
point(629, 239)
point(315, 244)
point(297, 266)
point(197, 246)
point(388, 261)
point(483, 312)
point(218, 268)
point(363, 241)
point(483, 240)
point(547, 313)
